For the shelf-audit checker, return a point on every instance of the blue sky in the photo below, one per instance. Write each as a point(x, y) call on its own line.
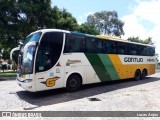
point(81, 8)
point(141, 17)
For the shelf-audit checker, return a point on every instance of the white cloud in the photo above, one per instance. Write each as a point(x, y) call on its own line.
point(80, 20)
point(83, 18)
point(149, 10)
point(133, 28)
point(145, 11)
point(88, 13)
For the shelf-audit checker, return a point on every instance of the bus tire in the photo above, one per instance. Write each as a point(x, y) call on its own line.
point(137, 75)
point(144, 74)
point(74, 82)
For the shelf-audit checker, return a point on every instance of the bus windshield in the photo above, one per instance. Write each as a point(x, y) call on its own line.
point(26, 56)
point(34, 37)
point(27, 62)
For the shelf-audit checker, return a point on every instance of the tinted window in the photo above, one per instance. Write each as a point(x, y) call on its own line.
point(142, 50)
point(131, 49)
point(49, 50)
point(74, 43)
point(152, 49)
point(93, 45)
point(109, 47)
point(139, 49)
point(149, 51)
point(106, 47)
point(121, 48)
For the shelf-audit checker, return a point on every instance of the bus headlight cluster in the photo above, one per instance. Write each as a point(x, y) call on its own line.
point(27, 80)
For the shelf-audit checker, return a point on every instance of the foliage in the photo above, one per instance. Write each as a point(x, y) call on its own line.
point(137, 39)
point(88, 29)
point(20, 17)
point(107, 22)
point(63, 19)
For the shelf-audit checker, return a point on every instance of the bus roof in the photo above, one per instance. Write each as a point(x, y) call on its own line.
point(50, 30)
point(107, 37)
point(110, 37)
point(104, 37)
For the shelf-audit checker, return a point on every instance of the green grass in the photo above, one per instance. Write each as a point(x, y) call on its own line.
point(8, 74)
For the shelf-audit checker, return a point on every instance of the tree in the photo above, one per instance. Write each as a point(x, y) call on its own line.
point(33, 15)
point(137, 39)
point(20, 17)
point(88, 29)
point(107, 22)
point(8, 24)
point(66, 21)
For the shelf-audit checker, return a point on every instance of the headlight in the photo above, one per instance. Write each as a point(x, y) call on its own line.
point(27, 80)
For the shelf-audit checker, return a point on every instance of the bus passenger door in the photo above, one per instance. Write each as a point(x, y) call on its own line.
point(49, 74)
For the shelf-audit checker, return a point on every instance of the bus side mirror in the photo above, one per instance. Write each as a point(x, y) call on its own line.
point(14, 54)
point(15, 57)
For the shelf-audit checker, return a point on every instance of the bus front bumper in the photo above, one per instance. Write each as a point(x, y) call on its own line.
point(26, 84)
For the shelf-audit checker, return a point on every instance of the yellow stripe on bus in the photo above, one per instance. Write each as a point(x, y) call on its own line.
point(128, 70)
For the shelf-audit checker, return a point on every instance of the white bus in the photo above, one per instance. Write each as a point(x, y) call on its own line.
point(52, 58)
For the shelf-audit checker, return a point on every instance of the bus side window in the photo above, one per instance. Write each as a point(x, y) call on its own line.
point(99, 45)
point(152, 50)
point(132, 50)
point(120, 48)
point(127, 52)
point(138, 49)
point(144, 51)
point(70, 45)
point(93, 45)
point(74, 43)
point(107, 47)
point(113, 48)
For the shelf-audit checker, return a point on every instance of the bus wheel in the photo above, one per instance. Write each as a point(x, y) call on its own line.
point(137, 75)
point(74, 83)
point(144, 74)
